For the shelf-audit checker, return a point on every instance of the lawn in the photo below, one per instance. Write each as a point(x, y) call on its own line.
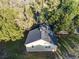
point(17, 50)
point(12, 50)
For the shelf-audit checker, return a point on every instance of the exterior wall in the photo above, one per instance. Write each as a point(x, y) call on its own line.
point(39, 46)
point(75, 32)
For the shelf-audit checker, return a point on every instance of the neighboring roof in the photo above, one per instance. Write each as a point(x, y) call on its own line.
point(33, 36)
point(62, 32)
point(76, 31)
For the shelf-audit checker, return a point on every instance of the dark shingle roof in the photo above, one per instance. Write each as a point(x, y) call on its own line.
point(33, 35)
point(38, 33)
point(78, 30)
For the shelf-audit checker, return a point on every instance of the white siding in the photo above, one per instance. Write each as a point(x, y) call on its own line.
point(40, 45)
point(75, 32)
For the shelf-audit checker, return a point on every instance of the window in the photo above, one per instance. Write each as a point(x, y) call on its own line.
point(32, 46)
point(47, 46)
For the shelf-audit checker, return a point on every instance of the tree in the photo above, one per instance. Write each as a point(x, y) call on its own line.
point(8, 28)
point(15, 18)
point(18, 17)
point(59, 14)
point(63, 16)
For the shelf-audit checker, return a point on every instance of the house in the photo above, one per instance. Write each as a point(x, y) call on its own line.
point(41, 39)
point(62, 33)
point(76, 31)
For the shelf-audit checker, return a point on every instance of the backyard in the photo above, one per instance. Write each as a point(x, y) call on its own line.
point(17, 50)
point(18, 17)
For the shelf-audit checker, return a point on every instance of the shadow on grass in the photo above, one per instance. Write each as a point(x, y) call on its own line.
point(17, 50)
point(68, 46)
point(13, 49)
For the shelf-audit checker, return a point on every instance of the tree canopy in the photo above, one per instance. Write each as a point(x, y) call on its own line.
point(16, 18)
point(8, 28)
point(58, 13)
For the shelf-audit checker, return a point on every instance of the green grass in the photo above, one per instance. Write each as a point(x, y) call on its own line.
point(17, 50)
point(68, 44)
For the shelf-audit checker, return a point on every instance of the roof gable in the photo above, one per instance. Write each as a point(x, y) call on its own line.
point(43, 33)
point(33, 36)
point(39, 42)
